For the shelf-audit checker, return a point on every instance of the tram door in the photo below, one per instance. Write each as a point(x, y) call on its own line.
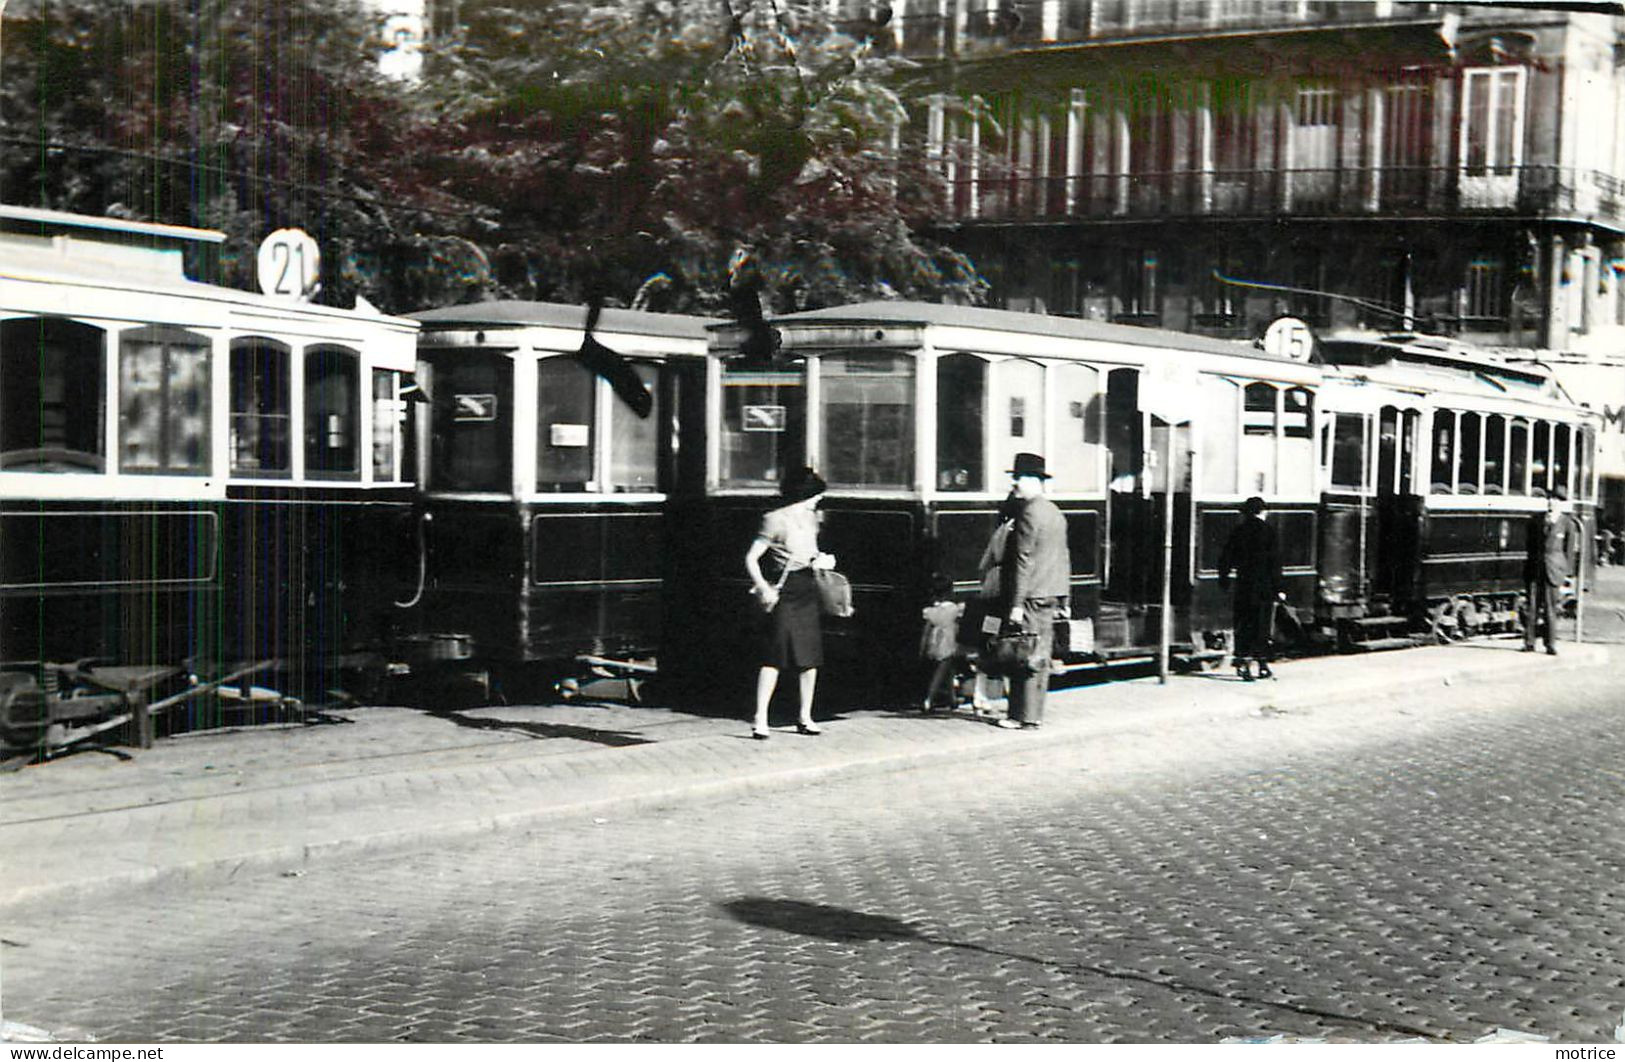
point(1399, 506)
point(1141, 476)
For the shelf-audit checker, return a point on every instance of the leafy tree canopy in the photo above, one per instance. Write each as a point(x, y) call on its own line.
point(553, 149)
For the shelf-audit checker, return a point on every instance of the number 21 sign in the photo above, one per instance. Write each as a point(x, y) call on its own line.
point(290, 265)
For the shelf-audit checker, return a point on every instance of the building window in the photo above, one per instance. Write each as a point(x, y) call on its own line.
point(868, 420)
point(1491, 139)
point(51, 394)
point(1486, 290)
point(164, 402)
point(332, 413)
point(1140, 294)
point(261, 407)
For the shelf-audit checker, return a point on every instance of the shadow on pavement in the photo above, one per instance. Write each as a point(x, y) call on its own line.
point(841, 924)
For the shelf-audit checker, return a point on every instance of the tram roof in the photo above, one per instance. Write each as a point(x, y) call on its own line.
point(927, 314)
point(38, 222)
point(518, 313)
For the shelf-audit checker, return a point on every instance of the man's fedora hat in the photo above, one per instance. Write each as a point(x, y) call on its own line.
point(1029, 465)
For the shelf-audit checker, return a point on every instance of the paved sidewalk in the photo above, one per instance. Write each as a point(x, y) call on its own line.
point(370, 780)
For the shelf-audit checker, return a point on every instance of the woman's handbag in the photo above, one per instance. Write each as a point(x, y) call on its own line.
point(834, 593)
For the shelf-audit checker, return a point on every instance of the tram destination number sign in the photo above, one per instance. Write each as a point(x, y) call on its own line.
point(290, 265)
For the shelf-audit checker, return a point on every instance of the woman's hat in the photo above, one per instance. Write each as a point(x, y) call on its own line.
point(1029, 465)
point(801, 484)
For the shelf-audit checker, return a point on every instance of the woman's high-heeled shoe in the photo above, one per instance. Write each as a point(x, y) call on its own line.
point(759, 735)
point(808, 728)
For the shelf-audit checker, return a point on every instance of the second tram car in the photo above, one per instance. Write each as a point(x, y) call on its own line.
point(544, 533)
point(1398, 473)
point(196, 482)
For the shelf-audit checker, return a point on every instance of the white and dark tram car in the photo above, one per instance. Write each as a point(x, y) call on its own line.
point(197, 484)
point(1398, 472)
point(558, 451)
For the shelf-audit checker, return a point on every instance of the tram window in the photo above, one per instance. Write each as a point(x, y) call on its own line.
point(764, 426)
point(51, 394)
point(471, 419)
point(1258, 431)
point(1297, 463)
point(332, 413)
point(867, 419)
point(1540, 459)
point(566, 426)
point(261, 408)
point(1410, 434)
point(1582, 463)
point(961, 415)
point(1387, 449)
point(1018, 410)
point(1076, 405)
point(1561, 437)
point(388, 426)
point(164, 402)
point(1125, 429)
point(1518, 458)
point(1348, 452)
point(634, 441)
point(1468, 453)
point(1444, 452)
point(1495, 444)
point(1220, 413)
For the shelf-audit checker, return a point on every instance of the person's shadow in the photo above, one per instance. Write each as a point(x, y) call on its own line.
point(840, 924)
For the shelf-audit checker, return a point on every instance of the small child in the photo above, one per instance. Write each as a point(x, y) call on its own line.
point(939, 640)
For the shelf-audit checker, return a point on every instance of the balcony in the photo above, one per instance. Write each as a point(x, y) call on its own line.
point(1397, 192)
point(994, 25)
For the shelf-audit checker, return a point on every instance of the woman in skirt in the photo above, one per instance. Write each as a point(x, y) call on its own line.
point(780, 563)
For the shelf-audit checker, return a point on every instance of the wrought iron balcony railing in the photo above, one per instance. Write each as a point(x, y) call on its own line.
point(1415, 191)
point(994, 24)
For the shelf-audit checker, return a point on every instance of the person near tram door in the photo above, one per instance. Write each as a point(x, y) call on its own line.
point(1250, 553)
point(1037, 583)
point(1551, 549)
point(792, 633)
point(974, 627)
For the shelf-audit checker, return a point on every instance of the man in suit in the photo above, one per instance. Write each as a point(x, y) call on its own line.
point(1553, 548)
point(1037, 577)
point(1250, 552)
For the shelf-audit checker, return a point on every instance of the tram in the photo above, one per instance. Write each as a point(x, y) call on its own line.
point(1398, 472)
point(548, 496)
point(197, 484)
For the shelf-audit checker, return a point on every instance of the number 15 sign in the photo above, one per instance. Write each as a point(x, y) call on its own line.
point(290, 265)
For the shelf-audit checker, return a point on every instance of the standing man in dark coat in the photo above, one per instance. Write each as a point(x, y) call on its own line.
point(1037, 577)
point(1251, 554)
point(1553, 547)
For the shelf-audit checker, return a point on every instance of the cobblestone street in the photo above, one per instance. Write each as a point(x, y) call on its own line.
point(1437, 865)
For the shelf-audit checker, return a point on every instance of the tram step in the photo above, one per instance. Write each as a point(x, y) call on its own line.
point(1373, 622)
point(1373, 645)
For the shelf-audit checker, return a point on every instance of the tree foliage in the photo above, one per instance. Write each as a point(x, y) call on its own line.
point(609, 142)
point(553, 149)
